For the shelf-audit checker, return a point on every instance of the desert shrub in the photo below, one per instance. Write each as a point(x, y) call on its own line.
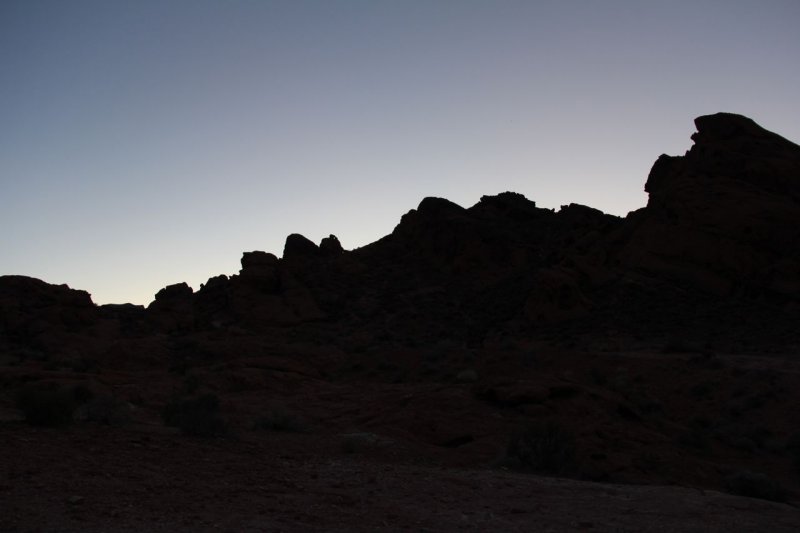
point(696, 438)
point(598, 377)
point(191, 382)
point(792, 448)
point(542, 448)
point(108, 410)
point(468, 375)
point(82, 393)
point(700, 422)
point(279, 418)
point(756, 401)
point(748, 438)
point(676, 345)
point(358, 442)
point(83, 365)
point(755, 485)
point(197, 416)
point(702, 390)
point(51, 407)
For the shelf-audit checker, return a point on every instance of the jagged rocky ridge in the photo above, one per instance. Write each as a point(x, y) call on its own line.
point(714, 248)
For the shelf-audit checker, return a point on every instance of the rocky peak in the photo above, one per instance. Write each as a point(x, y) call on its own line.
point(432, 215)
point(298, 246)
point(257, 261)
point(725, 126)
point(507, 204)
point(730, 148)
point(432, 206)
point(725, 215)
point(36, 293)
point(331, 246)
point(507, 200)
point(177, 291)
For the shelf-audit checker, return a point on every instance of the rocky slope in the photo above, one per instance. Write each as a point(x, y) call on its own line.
point(659, 349)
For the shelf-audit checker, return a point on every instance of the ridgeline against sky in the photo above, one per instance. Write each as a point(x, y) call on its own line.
point(146, 143)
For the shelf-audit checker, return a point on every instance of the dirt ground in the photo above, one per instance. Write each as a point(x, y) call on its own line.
point(364, 451)
point(143, 478)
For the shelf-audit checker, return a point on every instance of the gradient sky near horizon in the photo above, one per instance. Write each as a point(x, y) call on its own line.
point(148, 142)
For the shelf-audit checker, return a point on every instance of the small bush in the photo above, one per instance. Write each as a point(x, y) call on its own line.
point(280, 418)
point(83, 365)
point(82, 393)
point(543, 449)
point(598, 377)
point(109, 411)
point(191, 382)
point(702, 390)
point(195, 416)
point(678, 346)
point(468, 375)
point(755, 485)
point(46, 407)
point(358, 442)
point(792, 447)
point(697, 439)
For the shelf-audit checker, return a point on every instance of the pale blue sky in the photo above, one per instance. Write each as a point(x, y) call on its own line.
point(147, 142)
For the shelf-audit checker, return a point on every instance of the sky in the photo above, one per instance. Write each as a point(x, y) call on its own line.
point(148, 142)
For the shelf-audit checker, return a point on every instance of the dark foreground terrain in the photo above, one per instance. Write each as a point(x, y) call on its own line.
point(135, 480)
point(496, 368)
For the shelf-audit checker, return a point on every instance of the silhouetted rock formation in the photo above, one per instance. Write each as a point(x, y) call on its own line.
point(258, 264)
point(665, 341)
point(725, 217)
point(331, 246)
point(178, 291)
point(720, 232)
point(298, 246)
point(34, 312)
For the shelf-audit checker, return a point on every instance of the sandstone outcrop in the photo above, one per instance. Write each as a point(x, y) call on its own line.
point(724, 217)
